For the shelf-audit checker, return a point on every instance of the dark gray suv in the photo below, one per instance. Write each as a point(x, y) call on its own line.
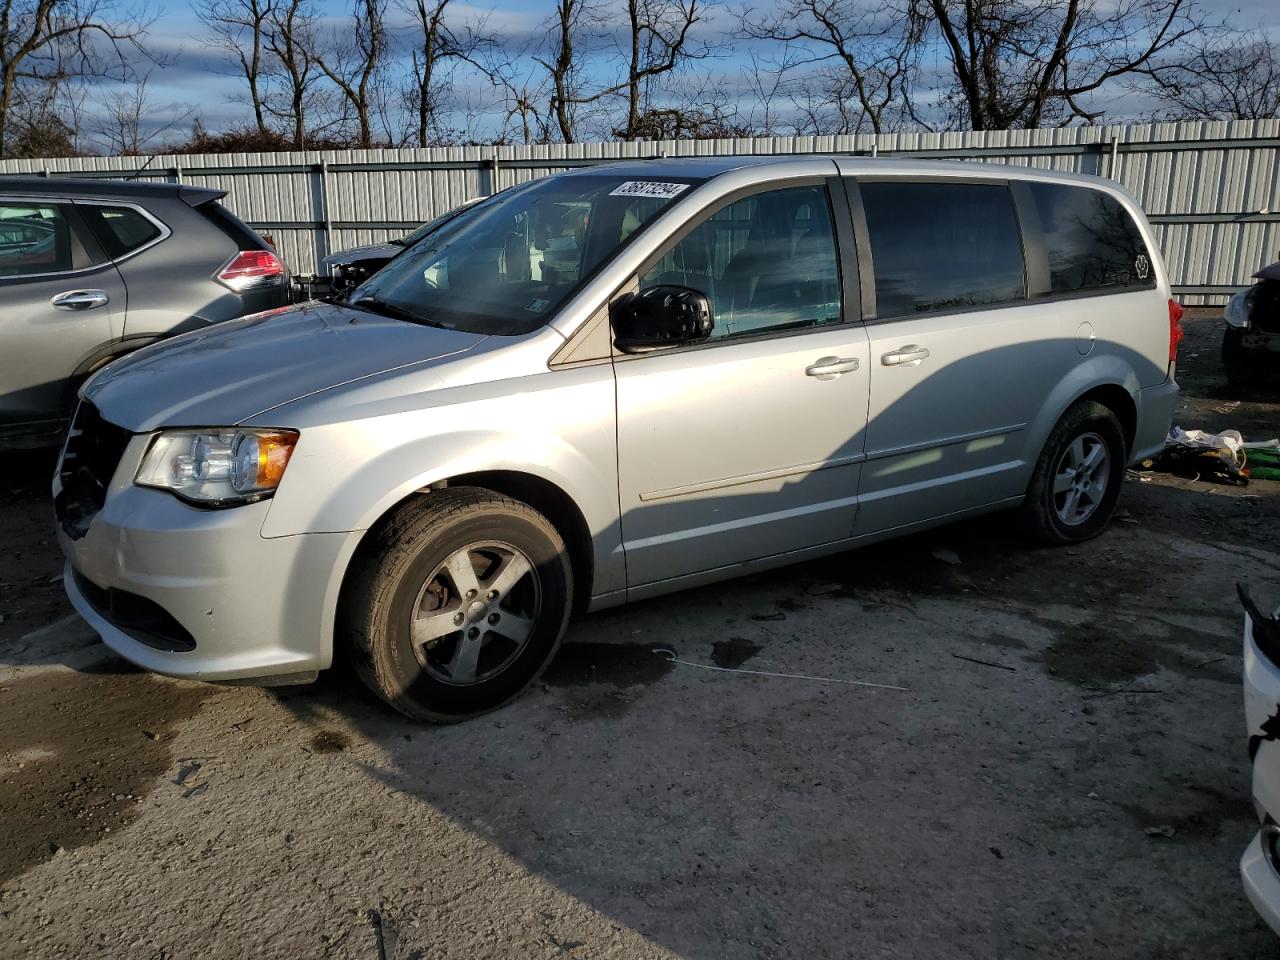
point(93, 269)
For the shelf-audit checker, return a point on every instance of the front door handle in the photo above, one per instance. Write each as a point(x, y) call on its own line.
point(828, 368)
point(80, 299)
point(908, 356)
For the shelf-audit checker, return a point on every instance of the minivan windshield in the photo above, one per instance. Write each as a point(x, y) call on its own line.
point(505, 265)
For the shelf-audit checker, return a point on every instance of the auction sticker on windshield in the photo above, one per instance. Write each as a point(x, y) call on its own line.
point(649, 188)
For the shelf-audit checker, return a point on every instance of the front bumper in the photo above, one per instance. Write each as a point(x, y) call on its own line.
point(255, 607)
point(1261, 882)
point(1262, 717)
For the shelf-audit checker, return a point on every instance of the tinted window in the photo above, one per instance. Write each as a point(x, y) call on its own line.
point(505, 266)
point(767, 262)
point(34, 239)
point(942, 246)
point(119, 229)
point(1091, 240)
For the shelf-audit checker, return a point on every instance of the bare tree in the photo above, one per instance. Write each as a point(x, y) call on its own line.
point(1236, 77)
point(239, 29)
point(354, 60)
point(659, 43)
point(1024, 63)
point(865, 54)
point(438, 46)
point(289, 39)
point(44, 41)
point(565, 60)
point(127, 120)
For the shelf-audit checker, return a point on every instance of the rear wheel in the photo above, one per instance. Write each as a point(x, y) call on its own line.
point(1077, 479)
point(459, 604)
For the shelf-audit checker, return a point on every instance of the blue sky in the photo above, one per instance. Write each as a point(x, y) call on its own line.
point(197, 81)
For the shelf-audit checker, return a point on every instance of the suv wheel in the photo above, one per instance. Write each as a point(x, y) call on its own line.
point(1077, 479)
point(459, 605)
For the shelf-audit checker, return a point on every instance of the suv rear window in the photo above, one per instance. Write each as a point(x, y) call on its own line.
point(942, 246)
point(1091, 240)
point(120, 230)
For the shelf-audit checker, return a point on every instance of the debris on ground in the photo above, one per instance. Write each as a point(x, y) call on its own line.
point(1200, 455)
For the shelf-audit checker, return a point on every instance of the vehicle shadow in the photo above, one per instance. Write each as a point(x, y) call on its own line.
point(747, 816)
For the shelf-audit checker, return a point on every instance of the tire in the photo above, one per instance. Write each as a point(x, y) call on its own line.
point(1242, 365)
point(1047, 511)
point(413, 573)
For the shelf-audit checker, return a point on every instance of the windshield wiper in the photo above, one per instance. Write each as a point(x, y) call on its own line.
point(374, 305)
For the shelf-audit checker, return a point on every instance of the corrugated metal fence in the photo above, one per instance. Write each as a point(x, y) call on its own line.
point(1212, 190)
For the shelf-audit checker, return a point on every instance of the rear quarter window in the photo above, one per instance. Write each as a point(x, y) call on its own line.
point(120, 230)
point(1091, 241)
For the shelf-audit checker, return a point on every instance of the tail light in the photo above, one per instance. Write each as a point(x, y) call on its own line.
point(1175, 329)
point(252, 270)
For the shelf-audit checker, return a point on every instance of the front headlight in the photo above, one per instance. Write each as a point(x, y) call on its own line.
point(1239, 307)
point(217, 467)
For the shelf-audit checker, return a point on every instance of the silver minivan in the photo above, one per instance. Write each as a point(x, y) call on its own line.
point(610, 384)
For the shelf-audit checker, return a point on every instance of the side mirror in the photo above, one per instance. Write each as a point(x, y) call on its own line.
point(661, 316)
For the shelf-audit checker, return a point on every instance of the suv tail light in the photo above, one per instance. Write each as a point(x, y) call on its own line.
point(1175, 329)
point(252, 270)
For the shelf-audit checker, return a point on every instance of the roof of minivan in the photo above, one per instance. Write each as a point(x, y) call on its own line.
point(705, 167)
point(97, 187)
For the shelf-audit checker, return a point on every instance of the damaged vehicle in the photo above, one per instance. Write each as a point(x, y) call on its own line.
point(609, 384)
point(1260, 865)
point(350, 268)
point(1251, 342)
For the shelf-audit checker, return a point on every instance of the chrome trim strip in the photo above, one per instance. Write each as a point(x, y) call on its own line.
point(691, 533)
point(33, 199)
point(945, 441)
point(751, 478)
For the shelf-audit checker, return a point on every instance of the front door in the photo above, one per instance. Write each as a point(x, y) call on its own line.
point(56, 309)
point(749, 444)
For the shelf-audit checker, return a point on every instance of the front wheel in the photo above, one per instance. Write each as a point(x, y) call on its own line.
point(1077, 479)
point(458, 605)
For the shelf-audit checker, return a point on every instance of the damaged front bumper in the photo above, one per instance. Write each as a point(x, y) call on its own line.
point(1260, 865)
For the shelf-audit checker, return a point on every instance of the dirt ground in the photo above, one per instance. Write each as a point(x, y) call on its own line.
point(1064, 776)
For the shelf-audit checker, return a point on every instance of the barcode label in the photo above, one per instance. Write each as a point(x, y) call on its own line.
point(649, 188)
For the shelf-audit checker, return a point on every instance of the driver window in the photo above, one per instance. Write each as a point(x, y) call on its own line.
point(766, 262)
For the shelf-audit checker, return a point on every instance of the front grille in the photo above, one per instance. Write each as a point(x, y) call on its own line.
point(93, 451)
point(142, 619)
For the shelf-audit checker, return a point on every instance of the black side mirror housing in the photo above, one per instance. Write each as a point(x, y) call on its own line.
point(663, 316)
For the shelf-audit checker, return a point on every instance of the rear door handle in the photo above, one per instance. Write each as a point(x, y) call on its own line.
point(80, 299)
point(908, 356)
point(828, 368)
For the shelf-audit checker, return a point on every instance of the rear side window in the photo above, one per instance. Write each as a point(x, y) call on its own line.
point(1091, 240)
point(942, 246)
point(120, 230)
point(34, 239)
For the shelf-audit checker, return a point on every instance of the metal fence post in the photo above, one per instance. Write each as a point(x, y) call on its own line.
point(325, 213)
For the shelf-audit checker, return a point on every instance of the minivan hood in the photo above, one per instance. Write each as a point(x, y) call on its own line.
point(232, 371)
point(373, 251)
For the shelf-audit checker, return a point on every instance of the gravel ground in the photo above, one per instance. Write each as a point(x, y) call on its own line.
point(1064, 776)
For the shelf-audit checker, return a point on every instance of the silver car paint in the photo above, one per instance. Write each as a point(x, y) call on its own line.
point(731, 459)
